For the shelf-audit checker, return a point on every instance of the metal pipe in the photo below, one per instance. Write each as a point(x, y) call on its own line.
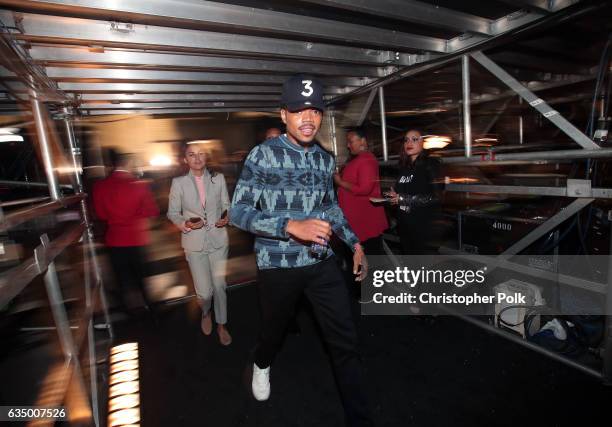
point(45, 149)
point(9, 183)
point(383, 122)
point(60, 317)
point(520, 120)
point(75, 152)
point(23, 201)
point(536, 155)
point(91, 339)
point(528, 344)
point(467, 119)
point(332, 131)
point(366, 107)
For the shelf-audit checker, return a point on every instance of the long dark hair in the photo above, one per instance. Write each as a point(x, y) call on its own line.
point(404, 159)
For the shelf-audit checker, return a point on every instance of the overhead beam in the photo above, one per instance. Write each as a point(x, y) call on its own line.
point(178, 111)
point(414, 12)
point(499, 26)
point(542, 5)
point(83, 32)
point(64, 74)
point(132, 88)
point(539, 5)
point(208, 15)
point(174, 88)
point(178, 105)
point(80, 56)
point(97, 98)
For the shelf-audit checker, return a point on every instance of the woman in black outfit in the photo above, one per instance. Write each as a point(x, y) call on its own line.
point(416, 193)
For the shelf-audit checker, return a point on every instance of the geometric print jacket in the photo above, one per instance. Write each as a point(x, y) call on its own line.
point(282, 181)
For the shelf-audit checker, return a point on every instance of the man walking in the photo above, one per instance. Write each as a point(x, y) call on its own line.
point(285, 196)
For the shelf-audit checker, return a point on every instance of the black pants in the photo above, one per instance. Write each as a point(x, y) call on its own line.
point(373, 246)
point(129, 269)
point(323, 284)
point(415, 233)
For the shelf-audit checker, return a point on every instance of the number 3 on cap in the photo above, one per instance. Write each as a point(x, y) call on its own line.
point(308, 90)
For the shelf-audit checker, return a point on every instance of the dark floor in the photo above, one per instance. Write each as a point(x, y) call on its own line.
point(423, 372)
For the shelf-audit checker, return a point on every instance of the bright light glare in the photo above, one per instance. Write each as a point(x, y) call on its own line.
point(11, 138)
point(123, 417)
point(120, 389)
point(126, 355)
point(124, 402)
point(435, 141)
point(124, 397)
point(449, 180)
point(8, 135)
point(161, 160)
point(130, 346)
point(125, 376)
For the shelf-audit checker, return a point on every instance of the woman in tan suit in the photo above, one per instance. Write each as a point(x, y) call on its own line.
point(198, 205)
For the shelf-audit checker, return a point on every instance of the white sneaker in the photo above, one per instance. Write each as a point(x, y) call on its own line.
point(261, 383)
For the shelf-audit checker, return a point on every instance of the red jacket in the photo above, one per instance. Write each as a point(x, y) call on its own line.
point(124, 203)
point(366, 219)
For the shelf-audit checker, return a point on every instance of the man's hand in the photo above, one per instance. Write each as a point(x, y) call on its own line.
point(337, 179)
point(359, 259)
point(310, 230)
point(184, 228)
point(222, 222)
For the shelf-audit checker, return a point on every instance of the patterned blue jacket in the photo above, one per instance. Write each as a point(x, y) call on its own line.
point(282, 181)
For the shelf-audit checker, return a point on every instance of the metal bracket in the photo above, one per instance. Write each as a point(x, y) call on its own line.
point(122, 27)
point(579, 188)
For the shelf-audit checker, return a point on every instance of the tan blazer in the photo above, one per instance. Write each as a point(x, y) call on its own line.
point(184, 203)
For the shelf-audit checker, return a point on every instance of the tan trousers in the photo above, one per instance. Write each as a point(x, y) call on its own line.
point(208, 271)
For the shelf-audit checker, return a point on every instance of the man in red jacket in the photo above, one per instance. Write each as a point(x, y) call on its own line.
point(125, 204)
point(358, 182)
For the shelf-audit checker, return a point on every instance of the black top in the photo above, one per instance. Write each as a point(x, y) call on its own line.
point(419, 185)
